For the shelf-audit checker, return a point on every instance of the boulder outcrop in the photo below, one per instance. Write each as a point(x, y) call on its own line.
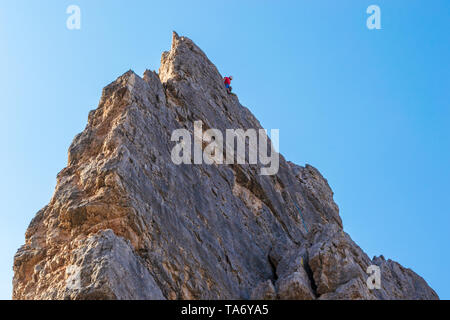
point(125, 222)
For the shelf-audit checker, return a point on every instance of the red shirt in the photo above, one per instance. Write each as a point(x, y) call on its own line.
point(227, 80)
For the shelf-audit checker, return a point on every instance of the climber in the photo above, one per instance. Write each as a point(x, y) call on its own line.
point(227, 81)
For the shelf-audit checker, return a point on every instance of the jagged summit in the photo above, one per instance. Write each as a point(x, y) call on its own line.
point(125, 222)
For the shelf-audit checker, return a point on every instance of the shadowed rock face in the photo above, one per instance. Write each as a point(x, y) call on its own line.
point(125, 222)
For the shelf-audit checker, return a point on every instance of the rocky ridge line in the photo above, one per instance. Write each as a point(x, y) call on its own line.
point(126, 223)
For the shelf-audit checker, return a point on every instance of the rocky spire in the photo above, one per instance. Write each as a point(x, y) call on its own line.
point(125, 222)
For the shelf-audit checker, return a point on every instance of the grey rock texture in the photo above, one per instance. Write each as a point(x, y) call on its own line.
point(125, 222)
point(105, 266)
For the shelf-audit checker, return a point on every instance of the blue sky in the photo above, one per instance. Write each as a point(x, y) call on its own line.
point(369, 108)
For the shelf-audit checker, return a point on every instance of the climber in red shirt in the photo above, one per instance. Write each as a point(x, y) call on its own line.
point(227, 81)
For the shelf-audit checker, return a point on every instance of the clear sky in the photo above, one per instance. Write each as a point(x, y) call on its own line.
point(369, 108)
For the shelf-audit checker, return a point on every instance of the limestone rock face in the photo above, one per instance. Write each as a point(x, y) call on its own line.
point(125, 222)
point(106, 267)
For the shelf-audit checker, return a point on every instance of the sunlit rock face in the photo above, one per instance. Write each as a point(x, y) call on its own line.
point(125, 222)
